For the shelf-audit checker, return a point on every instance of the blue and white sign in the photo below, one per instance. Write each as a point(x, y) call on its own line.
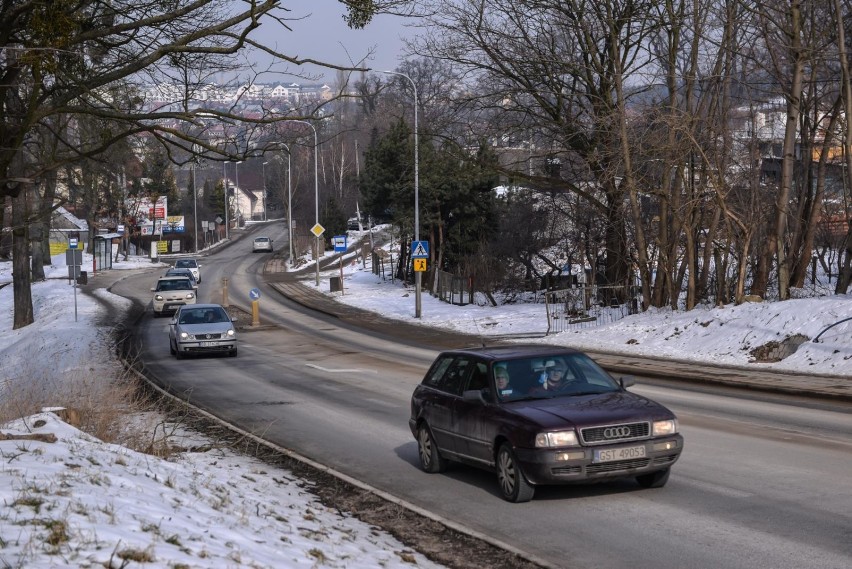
point(339, 242)
point(419, 249)
point(254, 293)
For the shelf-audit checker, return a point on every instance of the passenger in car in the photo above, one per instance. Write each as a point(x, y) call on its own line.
point(501, 376)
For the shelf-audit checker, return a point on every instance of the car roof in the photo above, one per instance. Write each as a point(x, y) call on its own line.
point(511, 352)
point(201, 306)
point(173, 278)
point(261, 238)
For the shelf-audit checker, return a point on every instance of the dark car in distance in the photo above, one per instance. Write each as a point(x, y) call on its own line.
point(539, 415)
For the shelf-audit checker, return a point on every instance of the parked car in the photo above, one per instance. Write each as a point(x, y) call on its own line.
point(173, 272)
point(534, 430)
point(262, 244)
point(171, 293)
point(352, 224)
point(202, 329)
point(192, 265)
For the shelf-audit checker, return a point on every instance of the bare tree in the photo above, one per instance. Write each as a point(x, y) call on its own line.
point(72, 58)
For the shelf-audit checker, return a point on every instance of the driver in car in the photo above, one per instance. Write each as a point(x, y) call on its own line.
point(557, 377)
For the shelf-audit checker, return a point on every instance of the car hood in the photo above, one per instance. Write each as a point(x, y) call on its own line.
point(206, 328)
point(590, 410)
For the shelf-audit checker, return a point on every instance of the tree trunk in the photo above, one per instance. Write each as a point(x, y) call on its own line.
point(794, 99)
point(21, 281)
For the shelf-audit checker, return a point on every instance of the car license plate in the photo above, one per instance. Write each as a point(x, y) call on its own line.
point(612, 454)
point(209, 344)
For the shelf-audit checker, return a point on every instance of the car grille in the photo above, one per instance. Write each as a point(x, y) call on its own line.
point(668, 459)
point(208, 336)
point(566, 470)
point(616, 466)
point(615, 433)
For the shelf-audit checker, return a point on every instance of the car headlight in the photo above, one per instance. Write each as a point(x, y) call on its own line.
point(184, 335)
point(231, 332)
point(556, 439)
point(190, 295)
point(158, 297)
point(664, 428)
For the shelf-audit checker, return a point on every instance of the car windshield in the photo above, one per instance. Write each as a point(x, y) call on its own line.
point(262, 239)
point(174, 284)
point(185, 264)
point(203, 316)
point(563, 375)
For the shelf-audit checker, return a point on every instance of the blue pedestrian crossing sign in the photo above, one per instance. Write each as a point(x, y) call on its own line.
point(419, 249)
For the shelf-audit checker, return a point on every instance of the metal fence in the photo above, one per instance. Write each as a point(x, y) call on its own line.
point(453, 288)
point(586, 306)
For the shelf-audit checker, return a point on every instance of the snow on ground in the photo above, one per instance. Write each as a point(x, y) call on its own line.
point(80, 502)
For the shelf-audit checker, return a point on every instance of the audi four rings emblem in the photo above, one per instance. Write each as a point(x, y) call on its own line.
point(616, 432)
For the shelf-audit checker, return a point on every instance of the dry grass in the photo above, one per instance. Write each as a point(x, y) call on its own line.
point(97, 399)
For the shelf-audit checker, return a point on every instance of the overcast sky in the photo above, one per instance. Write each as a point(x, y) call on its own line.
point(319, 32)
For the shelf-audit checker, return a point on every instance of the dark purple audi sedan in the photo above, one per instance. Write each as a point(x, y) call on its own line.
point(539, 414)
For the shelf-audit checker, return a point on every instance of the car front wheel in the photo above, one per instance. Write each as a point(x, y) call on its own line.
point(430, 457)
point(654, 480)
point(513, 484)
point(172, 349)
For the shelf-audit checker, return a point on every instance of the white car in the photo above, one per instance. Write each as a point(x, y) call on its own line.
point(262, 244)
point(192, 265)
point(171, 293)
point(202, 329)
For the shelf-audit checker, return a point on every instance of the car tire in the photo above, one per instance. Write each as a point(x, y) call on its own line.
point(178, 354)
point(513, 484)
point(233, 353)
point(172, 349)
point(430, 457)
point(654, 480)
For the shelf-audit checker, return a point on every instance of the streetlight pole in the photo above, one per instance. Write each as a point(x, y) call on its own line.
point(195, 210)
point(225, 192)
point(316, 187)
point(289, 204)
point(236, 189)
point(263, 175)
point(418, 275)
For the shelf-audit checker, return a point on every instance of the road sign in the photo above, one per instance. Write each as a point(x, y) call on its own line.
point(419, 249)
point(339, 243)
point(254, 293)
point(317, 229)
point(419, 265)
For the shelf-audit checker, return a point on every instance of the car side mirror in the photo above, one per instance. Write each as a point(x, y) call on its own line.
point(473, 396)
point(627, 381)
point(153, 289)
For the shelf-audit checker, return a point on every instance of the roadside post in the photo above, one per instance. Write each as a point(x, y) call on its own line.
point(74, 260)
point(339, 242)
point(254, 295)
point(225, 292)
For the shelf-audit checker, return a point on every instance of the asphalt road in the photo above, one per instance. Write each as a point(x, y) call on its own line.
point(761, 483)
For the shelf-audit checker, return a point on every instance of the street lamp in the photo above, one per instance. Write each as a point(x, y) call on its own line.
point(289, 204)
point(263, 175)
point(236, 189)
point(225, 192)
point(194, 210)
point(316, 187)
point(418, 275)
